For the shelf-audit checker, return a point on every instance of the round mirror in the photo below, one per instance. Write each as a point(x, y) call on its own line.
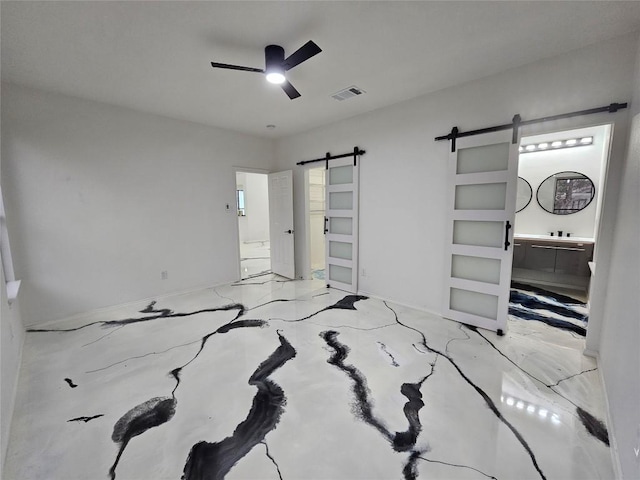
point(564, 193)
point(524, 195)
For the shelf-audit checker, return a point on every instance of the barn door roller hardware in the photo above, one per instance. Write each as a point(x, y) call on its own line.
point(328, 156)
point(517, 122)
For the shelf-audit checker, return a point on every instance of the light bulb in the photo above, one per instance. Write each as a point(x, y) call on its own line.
point(275, 77)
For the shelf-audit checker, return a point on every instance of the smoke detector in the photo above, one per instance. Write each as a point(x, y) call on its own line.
point(347, 93)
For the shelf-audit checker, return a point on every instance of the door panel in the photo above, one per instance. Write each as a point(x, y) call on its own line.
point(342, 225)
point(281, 223)
point(482, 189)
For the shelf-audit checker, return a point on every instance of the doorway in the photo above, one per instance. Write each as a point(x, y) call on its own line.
point(315, 180)
point(561, 178)
point(252, 204)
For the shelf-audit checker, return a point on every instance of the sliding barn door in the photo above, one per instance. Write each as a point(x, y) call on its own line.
point(482, 190)
point(341, 225)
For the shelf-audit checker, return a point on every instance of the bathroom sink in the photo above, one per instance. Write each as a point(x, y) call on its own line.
point(529, 236)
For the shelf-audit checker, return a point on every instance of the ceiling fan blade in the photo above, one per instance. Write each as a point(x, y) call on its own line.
point(236, 67)
point(304, 53)
point(290, 90)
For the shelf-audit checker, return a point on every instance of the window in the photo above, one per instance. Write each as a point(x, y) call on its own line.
point(240, 202)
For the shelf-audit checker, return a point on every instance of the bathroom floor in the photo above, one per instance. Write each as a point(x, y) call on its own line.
point(275, 379)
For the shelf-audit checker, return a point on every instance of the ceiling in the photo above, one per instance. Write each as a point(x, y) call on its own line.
point(155, 56)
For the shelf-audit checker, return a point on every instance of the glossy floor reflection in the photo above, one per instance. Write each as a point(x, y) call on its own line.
point(275, 379)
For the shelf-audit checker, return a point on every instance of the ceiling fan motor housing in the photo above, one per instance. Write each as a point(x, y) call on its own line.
point(274, 58)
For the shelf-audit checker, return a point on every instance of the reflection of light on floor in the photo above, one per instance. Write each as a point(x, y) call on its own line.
point(531, 408)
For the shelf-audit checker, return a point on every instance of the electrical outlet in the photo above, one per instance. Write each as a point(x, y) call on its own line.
point(164, 275)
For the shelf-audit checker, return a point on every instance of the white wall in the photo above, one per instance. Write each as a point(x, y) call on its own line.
point(536, 167)
point(11, 342)
point(12, 339)
point(620, 337)
point(101, 199)
point(403, 173)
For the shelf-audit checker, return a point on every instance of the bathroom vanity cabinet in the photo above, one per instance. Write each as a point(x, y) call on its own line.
point(563, 261)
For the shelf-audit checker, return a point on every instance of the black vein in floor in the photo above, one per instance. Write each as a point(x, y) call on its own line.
point(270, 457)
point(595, 427)
point(492, 406)
point(600, 431)
point(103, 336)
point(212, 461)
point(571, 376)
point(135, 357)
point(363, 404)
point(139, 419)
point(458, 466)
point(232, 325)
point(383, 347)
point(70, 382)
point(128, 321)
point(86, 419)
point(345, 303)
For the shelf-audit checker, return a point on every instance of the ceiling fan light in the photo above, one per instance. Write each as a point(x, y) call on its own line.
point(275, 77)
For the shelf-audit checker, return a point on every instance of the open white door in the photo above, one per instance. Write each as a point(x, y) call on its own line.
point(341, 225)
point(281, 223)
point(482, 188)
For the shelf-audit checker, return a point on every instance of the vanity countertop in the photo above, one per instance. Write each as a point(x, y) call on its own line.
point(549, 238)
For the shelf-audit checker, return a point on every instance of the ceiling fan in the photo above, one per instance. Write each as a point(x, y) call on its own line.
point(276, 65)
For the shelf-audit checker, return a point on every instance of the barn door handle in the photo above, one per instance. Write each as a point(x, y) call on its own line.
point(326, 230)
point(507, 227)
point(288, 231)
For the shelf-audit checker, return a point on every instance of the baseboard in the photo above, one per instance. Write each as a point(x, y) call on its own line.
point(127, 304)
point(420, 309)
point(613, 444)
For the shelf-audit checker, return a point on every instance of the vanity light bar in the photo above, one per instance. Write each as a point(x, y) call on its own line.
point(556, 145)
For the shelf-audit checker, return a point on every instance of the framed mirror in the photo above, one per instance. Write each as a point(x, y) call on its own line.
point(564, 193)
point(524, 194)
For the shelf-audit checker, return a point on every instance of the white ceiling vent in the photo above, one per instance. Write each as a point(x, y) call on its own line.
point(347, 93)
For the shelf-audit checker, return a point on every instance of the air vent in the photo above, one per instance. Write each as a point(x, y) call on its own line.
point(347, 93)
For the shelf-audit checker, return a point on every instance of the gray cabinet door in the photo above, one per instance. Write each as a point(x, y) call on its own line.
point(540, 256)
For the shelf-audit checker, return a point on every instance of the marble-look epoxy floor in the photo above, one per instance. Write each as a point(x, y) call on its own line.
point(277, 379)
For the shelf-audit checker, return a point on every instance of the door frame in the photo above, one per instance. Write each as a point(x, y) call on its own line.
point(306, 270)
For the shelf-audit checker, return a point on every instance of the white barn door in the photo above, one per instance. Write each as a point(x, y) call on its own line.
point(482, 189)
point(341, 224)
